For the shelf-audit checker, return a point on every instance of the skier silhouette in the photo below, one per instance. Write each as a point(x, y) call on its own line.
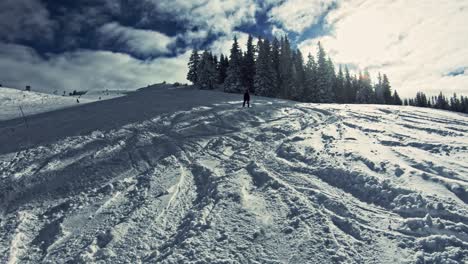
point(246, 98)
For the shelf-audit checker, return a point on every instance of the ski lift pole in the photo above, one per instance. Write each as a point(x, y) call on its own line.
point(24, 117)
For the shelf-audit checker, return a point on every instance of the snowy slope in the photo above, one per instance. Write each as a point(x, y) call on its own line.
point(35, 102)
point(184, 176)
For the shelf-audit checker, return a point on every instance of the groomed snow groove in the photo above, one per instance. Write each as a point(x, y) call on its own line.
point(281, 182)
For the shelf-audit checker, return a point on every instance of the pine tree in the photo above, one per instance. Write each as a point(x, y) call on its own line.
point(248, 65)
point(455, 104)
point(206, 73)
point(365, 94)
point(386, 90)
point(279, 71)
point(331, 75)
point(420, 100)
point(310, 87)
point(265, 77)
point(441, 102)
point(378, 88)
point(464, 102)
point(324, 82)
point(223, 65)
point(233, 81)
point(396, 98)
point(298, 76)
point(275, 63)
point(339, 86)
point(193, 66)
point(286, 70)
point(350, 94)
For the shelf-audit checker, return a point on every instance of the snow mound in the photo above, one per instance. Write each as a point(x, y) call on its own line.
point(189, 176)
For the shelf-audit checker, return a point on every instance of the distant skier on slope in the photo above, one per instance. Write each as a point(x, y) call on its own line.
point(246, 98)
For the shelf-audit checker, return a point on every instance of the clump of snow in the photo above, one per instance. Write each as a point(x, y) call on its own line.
point(441, 249)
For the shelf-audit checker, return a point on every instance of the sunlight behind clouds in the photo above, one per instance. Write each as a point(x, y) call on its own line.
point(416, 43)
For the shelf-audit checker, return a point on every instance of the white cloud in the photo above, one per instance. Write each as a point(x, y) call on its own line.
point(224, 44)
point(297, 15)
point(142, 42)
point(278, 32)
point(417, 43)
point(194, 36)
point(216, 16)
point(86, 69)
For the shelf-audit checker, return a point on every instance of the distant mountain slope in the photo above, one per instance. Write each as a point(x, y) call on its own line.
point(177, 175)
point(35, 102)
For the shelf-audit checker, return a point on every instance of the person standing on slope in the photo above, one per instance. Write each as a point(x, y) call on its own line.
point(246, 98)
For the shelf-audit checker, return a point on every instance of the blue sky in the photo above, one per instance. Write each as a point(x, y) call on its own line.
point(106, 44)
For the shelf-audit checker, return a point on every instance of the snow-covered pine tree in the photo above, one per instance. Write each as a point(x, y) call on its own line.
point(206, 74)
point(265, 77)
point(248, 65)
point(386, 90)
point(310, 86)
point(233, 81)
point(193, 66)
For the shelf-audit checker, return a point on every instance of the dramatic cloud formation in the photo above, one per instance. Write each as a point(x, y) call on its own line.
point(142, 42)
point(25, 19)
point(86, 69)
point(218, 16)
point(104, 44)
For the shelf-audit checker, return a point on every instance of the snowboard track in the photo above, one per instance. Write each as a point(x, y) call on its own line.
point(281, 183)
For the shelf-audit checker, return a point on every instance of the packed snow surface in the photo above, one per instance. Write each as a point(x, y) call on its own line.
point(13, 101)
point(177, 175)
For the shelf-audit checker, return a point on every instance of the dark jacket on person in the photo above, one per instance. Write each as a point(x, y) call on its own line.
point(247, 96)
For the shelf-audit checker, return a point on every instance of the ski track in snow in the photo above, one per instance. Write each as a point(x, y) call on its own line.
point(281, 182)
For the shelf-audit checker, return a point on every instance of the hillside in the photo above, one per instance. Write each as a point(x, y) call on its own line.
point(35, 102)
point(177, 175)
